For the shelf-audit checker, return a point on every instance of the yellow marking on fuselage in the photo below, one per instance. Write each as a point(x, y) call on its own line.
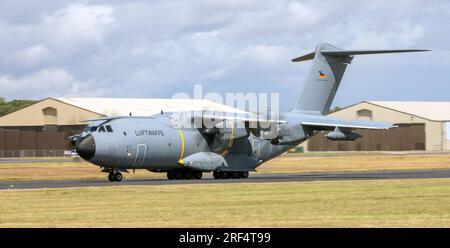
point(224, 153)
point(230, 144)
point(231, 138)
point(181, 161)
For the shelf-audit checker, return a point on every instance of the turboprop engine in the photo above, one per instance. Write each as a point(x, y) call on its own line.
point(289, 134)
point(337, 134)
point(221, 137)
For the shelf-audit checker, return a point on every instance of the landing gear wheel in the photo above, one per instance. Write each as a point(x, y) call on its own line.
point(170, 175)
point(118, 177)
point(111, 177)
point(188, 175)
point(178, 175)
point(198, 175)
point(216, 175)
point(244, 174)
point(235, 175)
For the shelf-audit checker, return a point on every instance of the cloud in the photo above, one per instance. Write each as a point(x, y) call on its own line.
point(142, 48)
point(77, 25)
point(32, 55)
point(47, 82)
point(66, 34)
point(263, 54)
point(299, 13)
point(403, 33)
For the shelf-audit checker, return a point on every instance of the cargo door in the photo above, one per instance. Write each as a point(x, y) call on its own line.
point(141, 151)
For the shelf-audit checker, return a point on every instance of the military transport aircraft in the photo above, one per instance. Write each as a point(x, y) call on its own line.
point(159, 143)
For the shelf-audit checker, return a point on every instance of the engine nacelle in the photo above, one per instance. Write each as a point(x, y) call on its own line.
point(237, 129)
point(342, 135)
point(289, 134)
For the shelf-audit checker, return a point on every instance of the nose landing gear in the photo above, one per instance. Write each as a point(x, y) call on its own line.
point(115, 176)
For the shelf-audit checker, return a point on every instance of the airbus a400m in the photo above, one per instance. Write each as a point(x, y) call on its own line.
point(158, 143)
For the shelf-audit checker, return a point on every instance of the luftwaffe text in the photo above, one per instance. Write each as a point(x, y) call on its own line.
point(149, 132)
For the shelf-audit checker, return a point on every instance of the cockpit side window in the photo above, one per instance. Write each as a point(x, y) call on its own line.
point(109, 128)
point(100, 129)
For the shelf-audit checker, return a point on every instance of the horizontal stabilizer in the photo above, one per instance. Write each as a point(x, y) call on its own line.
point(343, 53)
point(362, 52)
point(309, 56)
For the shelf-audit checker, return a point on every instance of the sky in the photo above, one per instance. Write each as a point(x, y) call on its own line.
point(154, 49)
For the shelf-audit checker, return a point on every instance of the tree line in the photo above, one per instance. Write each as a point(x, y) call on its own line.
point(7, 107)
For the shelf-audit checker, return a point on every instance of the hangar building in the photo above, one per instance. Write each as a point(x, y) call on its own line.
point(421, 126)
point(41, 129)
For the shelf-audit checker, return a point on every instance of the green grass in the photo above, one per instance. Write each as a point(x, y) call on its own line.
point(61, 171)
point(386, 203)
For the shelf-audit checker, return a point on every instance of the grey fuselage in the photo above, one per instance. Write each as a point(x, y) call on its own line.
point(155, 144)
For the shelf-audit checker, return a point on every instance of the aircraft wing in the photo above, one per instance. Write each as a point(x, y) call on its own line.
point(242, 117)
point(107, 119)
point(329, 123)
point(218, 117)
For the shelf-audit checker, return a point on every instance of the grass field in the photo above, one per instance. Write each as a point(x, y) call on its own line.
point(61, 171)
point(289, 163)
point(386, 203)
point(355, 162)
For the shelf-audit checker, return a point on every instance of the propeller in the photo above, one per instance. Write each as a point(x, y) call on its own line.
point(220, 139)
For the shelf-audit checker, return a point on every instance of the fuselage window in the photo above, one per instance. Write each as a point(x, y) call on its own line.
point(108, 128)
point(101, 129)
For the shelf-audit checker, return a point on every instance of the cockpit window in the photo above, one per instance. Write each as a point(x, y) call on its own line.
point(100, 129)
point(108, 128)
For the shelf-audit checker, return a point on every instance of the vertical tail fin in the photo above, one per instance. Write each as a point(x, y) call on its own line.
point(325, 75)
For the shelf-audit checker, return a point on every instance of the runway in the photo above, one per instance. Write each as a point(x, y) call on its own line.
point(254, 178)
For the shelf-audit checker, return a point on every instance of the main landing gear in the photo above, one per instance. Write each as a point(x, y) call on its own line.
point(190, 174)
point(228, 175)
point(184, 174)
point(115, 176)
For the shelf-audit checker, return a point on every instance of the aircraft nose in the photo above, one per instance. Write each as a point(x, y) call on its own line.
point(85, 147)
